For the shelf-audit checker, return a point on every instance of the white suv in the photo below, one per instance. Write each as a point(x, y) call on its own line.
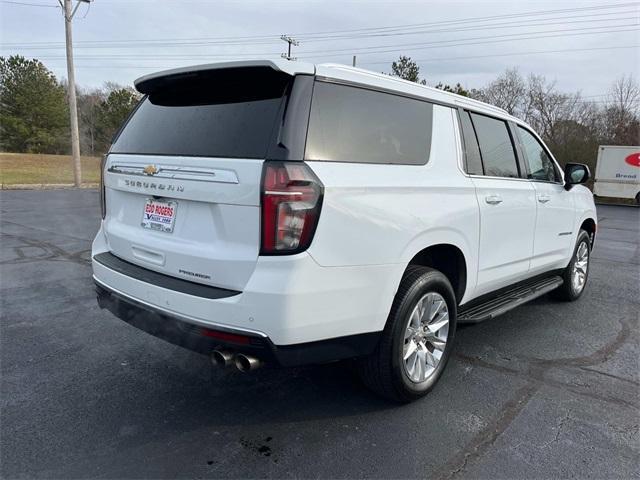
point(284, 213)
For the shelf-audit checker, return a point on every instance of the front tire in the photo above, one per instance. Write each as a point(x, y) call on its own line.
point(417, 340)
point(576, 274)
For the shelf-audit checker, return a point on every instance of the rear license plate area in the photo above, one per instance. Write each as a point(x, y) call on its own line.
point(159, 215)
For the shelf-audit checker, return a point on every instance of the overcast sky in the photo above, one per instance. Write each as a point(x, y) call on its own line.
point(582, 45)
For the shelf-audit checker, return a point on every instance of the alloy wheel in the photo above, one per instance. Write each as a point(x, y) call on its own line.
point(580, 267)
point(425, 337)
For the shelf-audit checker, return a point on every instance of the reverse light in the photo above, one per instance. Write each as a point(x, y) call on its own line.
point(291, 201)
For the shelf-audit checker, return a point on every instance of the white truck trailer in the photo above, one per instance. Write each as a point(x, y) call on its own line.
point(618, 172)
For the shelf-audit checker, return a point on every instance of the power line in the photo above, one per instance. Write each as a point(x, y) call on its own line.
point(507, 25)
point(24, 4)
point(141, 44)
point(386, 48)
point(540, 52)
point(426, 60)
point(49, 46)
point(308, 36)
point(473, 19)
point(446, 59)
point(473, 40)
point(273, 38)
point(134, 56)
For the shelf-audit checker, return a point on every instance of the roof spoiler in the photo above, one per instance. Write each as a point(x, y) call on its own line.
point(153, 81)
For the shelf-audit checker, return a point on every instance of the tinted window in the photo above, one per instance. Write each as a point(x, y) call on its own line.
point(496, 148)
point(541, 167)
point(472, 152)
point(221, 116)
point(349, 124)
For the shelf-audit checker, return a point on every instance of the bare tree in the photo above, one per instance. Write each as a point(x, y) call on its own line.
point(544, 107)
point(88, 102)
point(101, 111)
point(508, 92)
point(624, 94)
point(622, 112)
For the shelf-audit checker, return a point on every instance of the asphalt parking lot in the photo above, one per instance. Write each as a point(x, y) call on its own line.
point(548, 390)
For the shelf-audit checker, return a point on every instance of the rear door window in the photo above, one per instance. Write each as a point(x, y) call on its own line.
point(223, 115)
point(496, 146)
point(352, 124)
point(473, 164)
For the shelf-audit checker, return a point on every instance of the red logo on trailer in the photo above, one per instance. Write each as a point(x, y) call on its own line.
point(633, 159)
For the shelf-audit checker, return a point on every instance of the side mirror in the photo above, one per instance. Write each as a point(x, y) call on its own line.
point(574, 174)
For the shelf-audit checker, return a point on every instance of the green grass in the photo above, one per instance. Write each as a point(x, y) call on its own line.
point(31, 168)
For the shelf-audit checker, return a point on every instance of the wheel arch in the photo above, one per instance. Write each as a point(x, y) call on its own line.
point(590, 226)
point(450, 260)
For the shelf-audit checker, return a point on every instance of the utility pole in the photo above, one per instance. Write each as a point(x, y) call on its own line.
point(68, 13)
point(290, 41)
point(354, 61)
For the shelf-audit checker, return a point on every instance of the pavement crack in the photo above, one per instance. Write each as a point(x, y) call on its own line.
point(559, 429)
point(598, 357)
point(43, 230)
point(484, 439)
point(535, 377)
point(610, 375)
point(547, 382)
point(44, 251)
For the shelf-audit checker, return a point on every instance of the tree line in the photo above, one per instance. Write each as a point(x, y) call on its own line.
point(571, 125)
point(34, 113)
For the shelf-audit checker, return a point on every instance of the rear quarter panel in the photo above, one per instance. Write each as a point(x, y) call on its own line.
point(385, 214)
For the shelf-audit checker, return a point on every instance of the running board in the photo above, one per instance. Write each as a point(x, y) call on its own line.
point(508, 300)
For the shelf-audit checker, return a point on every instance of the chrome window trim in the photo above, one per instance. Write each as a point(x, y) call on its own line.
point(491, 177)
point(461, 154)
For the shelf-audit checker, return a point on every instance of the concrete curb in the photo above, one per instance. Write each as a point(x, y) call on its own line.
point(45, 186)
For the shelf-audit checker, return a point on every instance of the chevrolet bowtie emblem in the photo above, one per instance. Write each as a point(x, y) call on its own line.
point(150, 170)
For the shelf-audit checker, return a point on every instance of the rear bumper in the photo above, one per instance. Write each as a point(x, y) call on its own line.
point(302, 311)
point(289, 299)
point(198, 338)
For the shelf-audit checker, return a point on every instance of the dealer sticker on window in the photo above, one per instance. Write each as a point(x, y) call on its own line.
point(159, 215)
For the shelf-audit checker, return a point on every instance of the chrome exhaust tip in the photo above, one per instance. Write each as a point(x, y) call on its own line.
point(221, 358)
point(247, 363)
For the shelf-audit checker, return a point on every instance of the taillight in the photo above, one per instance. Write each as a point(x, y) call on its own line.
point(103, 201)
point(291, 201)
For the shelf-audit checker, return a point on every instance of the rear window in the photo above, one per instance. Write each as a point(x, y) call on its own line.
point(351, 124)
point(215, 114)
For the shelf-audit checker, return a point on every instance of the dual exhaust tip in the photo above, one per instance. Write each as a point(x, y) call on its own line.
point(244, 363)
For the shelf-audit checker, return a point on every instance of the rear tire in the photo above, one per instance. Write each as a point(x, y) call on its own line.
point(417, 340)
point(576, 274)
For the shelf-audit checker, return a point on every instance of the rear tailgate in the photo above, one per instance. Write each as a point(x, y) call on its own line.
point(182, 179)
point(215, 234)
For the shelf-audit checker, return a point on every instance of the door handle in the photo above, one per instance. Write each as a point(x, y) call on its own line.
point(544, 198)
point(493, 199)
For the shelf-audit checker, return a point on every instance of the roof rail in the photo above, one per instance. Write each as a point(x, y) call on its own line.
point(453, 97)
